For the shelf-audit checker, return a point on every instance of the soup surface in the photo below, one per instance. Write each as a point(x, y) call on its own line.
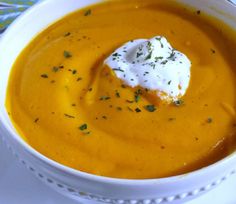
point(70, 108)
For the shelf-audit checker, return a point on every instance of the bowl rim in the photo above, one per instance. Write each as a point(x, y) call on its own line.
point(77, 173)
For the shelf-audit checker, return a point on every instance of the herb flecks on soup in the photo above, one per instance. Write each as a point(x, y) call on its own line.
point(69, 107)
point(153, 65)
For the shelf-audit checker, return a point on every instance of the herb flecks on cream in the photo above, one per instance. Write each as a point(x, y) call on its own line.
point(152, 64)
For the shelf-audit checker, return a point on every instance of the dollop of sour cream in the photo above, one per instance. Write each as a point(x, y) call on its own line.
point(154, 65)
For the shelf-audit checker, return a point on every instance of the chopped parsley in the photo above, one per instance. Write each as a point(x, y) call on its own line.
point(67, 54)
point(159, 39)
point(172, 55)
point(117, 94)
point(55, 69)
point(178, 102)
point(88, 12)
point(209, 120)
point(67, 34)
point(137, 98)
point(129, 101)
point(164, 62)
point(158, 58)
point(83, 127)
point(137, 95)
point(116, 55)
point(118, 69)
point(150, 108)
point(213, 51)
point(104, 117)
point(119, 108)
point(44, 76)
point(149, 56)
point(139, 54)
point(69, 116)
point(137, 110)
point(87, 133)
point(104, 98)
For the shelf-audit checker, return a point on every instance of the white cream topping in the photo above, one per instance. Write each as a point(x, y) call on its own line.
point(152, 64)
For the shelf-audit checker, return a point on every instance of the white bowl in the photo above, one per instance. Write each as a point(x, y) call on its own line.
point(76, 184)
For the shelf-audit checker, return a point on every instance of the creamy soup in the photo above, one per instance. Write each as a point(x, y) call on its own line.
point(73, 109)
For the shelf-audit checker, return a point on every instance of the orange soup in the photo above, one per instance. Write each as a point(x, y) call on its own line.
point(79, 115)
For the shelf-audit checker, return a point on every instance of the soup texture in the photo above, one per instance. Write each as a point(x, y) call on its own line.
point(71, 108)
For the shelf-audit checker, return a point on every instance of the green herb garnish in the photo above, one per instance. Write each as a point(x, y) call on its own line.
point(87, 133)
point(67, 54)
point(116, 54)
point(44, 76)
point(137, 95)
point(67, 34)
point(139, 54)
point(118, 69)
point(149, 56)
point(150, 108)
point(104, 98)
point(158, 58)
point(159, 39)
point(172, 55)
point(137, 98)
point(83, 127)
point(88, 12)
point(69, 116)
point(129, 101)
point(213, 51)
point(209, 120)
point(164, 62)
point(119, 108)
point(104, 117)
point(178, 102)
point(137, 110)
point(117, 94)
point(55, 69)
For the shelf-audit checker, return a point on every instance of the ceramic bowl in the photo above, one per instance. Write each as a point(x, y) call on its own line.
point(76, 184)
